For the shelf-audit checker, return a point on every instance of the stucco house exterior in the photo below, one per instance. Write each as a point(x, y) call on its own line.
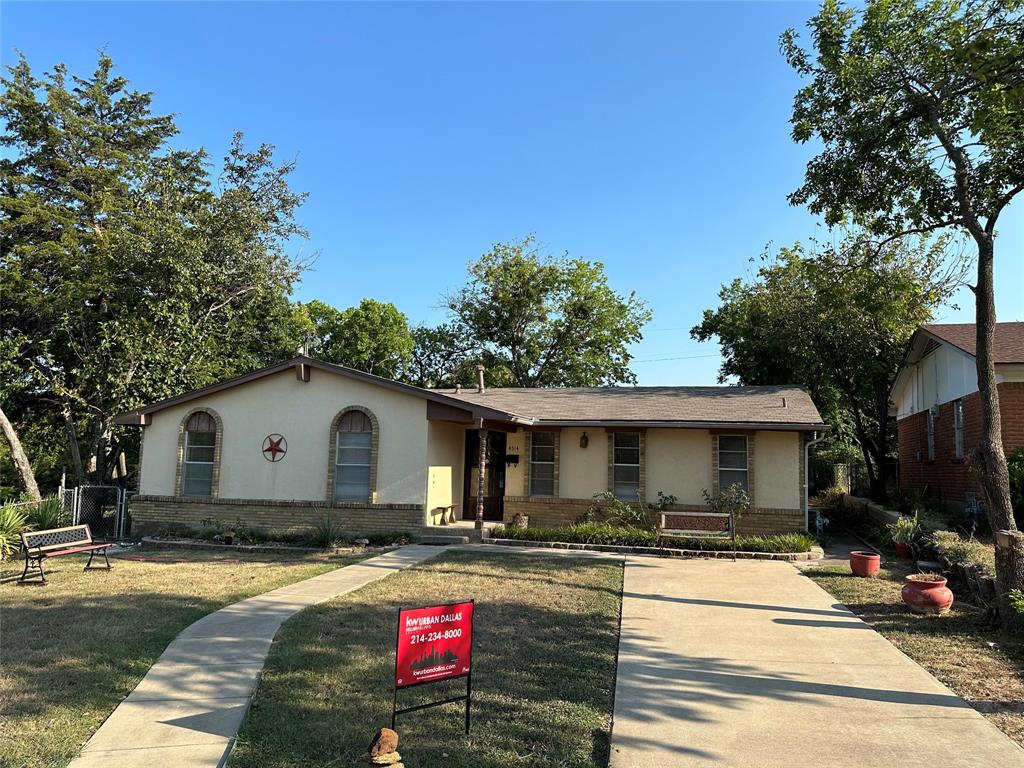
point(938, 411)
point(286, 446)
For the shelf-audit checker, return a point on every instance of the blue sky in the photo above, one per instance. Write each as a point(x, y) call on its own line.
point(651, 137)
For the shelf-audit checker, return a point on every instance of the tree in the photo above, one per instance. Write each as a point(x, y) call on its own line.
point(441, 357)
point(372, 337)
point(836, 322)
point(541, 321)
point(920, 108)
point(127, 276)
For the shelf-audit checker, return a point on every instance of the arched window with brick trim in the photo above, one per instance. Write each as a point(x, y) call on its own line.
point(199, 448)
point(352, 471)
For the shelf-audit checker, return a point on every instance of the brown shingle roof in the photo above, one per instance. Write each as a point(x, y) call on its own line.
point(1009, 339)
point(698, 405)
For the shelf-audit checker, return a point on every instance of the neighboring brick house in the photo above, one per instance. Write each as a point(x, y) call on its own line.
point(938, 410)
point(284, 447)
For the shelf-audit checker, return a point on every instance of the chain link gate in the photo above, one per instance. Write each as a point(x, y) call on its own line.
point(104, 508)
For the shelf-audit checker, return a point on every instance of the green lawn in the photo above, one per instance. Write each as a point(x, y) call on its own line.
point(71, 650)
point(544, 670)
point(961, 649)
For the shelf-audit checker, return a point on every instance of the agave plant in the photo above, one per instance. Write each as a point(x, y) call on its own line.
point(47, 514)
point(13, 520)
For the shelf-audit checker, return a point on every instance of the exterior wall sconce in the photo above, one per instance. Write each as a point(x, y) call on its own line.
point(584, 440)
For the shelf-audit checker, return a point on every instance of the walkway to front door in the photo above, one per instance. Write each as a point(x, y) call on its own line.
point(750, 663)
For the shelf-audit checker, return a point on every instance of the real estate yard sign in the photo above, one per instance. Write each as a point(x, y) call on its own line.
point(434, 643)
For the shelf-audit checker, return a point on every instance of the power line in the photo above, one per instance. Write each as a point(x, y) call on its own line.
point(666, 359)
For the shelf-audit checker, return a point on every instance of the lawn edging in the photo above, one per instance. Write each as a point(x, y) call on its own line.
point(816, 553)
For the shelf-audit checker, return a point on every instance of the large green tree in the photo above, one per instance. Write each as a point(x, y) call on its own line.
point(539, 321)
point(836, 320)
point(372, 336)
point(919, 107)
point(128, 274)
point(442, 356)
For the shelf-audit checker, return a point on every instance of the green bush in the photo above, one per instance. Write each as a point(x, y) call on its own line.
point(603, 533)
point(960, 551)
point(780, 542)
point(47, 514)
point(583, 533)
point(13, 520)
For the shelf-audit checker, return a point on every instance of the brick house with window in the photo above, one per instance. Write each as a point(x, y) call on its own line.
point(287, 446)
point(938, 409)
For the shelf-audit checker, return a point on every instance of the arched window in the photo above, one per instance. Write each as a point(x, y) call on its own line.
point(353, 470)
point(198, 454)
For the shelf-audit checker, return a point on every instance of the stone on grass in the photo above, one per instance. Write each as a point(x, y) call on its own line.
point(392, 759)
point(384, 742)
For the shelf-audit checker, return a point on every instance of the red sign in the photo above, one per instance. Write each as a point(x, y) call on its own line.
point(434, 643)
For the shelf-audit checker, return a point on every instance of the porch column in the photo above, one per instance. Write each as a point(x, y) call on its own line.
point(480, 484)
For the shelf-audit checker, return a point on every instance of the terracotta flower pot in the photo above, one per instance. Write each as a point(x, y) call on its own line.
point(926, 593)
point(902, 550)
point(865, 563)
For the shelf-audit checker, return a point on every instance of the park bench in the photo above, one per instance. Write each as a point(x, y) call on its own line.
point(40, 545)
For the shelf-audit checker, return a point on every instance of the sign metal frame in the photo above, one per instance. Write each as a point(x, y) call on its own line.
point(395, 711)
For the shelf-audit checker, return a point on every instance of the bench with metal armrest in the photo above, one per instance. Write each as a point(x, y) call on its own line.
point(41, 545)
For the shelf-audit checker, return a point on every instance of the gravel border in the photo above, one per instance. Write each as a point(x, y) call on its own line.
point(816, 552)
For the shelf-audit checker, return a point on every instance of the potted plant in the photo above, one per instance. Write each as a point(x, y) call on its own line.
point(904, 532)
point(228, 537)
point(865, 563)
point(926, 593)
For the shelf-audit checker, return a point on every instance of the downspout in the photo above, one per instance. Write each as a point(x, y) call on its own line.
point(807, 477)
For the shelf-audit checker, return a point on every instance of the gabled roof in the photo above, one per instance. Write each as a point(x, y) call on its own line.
point(140, 416)
point(1007, 349)
point(778, 407)
point(782, 406)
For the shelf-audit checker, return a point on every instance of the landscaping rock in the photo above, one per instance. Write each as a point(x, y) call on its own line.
point(362, 542)
point(385, 742)
point(392, 759)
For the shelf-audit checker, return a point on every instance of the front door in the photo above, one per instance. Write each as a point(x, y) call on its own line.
point(494, 478)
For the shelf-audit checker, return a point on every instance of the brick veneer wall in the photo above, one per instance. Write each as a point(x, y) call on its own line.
point(948, 479)
point(150, 514)
point(555, 512)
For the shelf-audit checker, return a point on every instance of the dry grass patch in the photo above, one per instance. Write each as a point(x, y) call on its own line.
point(980, 664)
point(544, 670)
point(72, 649)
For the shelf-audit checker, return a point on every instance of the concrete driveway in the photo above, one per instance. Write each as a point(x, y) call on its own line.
point(751, 664)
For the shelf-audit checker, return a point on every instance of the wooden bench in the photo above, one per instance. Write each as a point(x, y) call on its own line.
point(40, 545)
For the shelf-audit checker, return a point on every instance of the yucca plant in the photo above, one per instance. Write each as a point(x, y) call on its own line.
point(47, 514)
point(12, 522)
point(325, 534)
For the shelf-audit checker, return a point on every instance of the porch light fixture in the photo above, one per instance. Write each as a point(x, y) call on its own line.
point(584, 440)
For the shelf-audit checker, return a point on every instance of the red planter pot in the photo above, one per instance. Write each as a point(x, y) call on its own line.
point(926, 593)
point(902, 550)
point(865, 563)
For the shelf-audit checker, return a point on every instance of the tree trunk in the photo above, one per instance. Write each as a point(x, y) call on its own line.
point(72, 433)
point(21, 463)
point(988, 460)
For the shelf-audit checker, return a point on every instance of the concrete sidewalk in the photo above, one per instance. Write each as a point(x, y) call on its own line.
point(752, 664)
point(187, 710)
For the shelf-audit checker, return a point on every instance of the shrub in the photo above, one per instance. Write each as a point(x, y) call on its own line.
point(609, 508)
point(47, 514)
point(780, 542)
point(733, 501)
point(830, 497)
point(960, 551)
point(326, 534)
point(603, 533)
point(13, 520)
point(386, 539)
point(904, 530)
point(583, 533)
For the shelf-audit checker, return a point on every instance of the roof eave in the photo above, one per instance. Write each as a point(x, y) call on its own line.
point(795, 426)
